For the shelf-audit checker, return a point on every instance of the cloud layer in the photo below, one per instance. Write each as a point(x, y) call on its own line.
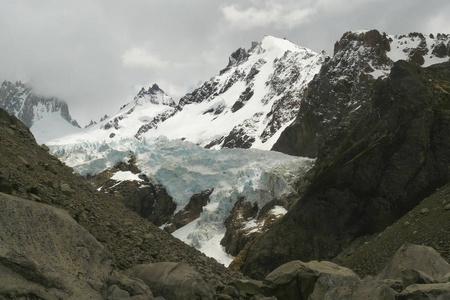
point(96, 55)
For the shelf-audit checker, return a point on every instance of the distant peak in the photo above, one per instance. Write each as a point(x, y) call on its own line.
point(154, 95)
point(270, 42)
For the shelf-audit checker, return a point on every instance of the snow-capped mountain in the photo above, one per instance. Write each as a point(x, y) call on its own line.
point(145, 106)
point(255, 98)
point(344, 83)
point(248, 104)
point(47, 118)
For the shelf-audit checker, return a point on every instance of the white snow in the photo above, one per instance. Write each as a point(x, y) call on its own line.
point(207, 242)
point(125, 176)
point(50, 126)
point(278, 211)
point(275, 60)
point(401, 46)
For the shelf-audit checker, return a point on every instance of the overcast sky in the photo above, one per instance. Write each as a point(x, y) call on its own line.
point(96, 55)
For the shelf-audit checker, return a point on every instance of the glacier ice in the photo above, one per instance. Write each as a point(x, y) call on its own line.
point(184, 169)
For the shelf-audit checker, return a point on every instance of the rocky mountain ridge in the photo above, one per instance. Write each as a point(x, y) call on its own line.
point(41, 114)
point(381, 148)
point(252, 99)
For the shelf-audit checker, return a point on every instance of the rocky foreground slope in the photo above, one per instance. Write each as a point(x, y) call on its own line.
point(63, 240)
point(29, 172)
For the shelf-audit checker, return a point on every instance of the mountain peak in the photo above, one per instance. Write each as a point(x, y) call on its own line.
point(47, 117)
point(155, 88)
point(154, 95)
point(271, 43)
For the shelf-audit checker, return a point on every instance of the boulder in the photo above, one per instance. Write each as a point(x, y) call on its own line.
point(45, 254)
point(411, 276)
point(436, 291)
point(121, 287)
point(419, 258)
point(248, 286)
point(371, 288)
point(172, 280)
point(312, 280)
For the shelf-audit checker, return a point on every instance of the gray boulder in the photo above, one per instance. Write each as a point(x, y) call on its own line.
point(419, 258)
point(312, 280)
point(45, 254)
point(172, 280)
point(371, 288)
point(436, 291)
point(410, 276)
point(123, 287)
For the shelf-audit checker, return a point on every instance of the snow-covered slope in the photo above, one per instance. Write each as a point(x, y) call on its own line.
point(47, 118)
point(185, 169)
point(248, 104)
point(146, 105)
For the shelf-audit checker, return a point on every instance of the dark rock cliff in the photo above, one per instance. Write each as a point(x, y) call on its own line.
point(395, 153)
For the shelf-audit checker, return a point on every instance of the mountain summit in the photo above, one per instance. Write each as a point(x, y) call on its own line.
point(47, 118)
point(248, 104)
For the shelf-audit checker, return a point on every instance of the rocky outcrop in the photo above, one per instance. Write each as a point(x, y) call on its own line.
point(190, 212)
point(151, 201)
point(172, 281)
point(18, 99)
point(31, 233)
point(393, 152)
point(336, 94)
point(247, 221)
point(313, 280)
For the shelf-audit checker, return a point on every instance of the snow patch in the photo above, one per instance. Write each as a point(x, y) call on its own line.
point(125, 176)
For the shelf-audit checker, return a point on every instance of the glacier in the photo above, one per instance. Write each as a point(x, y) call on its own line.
point(185, 169)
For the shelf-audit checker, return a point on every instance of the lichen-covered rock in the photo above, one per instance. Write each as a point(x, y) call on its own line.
point(44, 253)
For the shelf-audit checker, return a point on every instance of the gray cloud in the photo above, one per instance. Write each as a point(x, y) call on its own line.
point(97, 54)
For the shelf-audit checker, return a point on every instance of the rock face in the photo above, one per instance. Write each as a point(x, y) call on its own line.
point(313, 280)
point(190, 212)
point(172, 280)
point(32, 233)
point(385, 155)
point(19, 100)
point(151, 201)
point(418, 258)
point(340, 91)
point(247, 221)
